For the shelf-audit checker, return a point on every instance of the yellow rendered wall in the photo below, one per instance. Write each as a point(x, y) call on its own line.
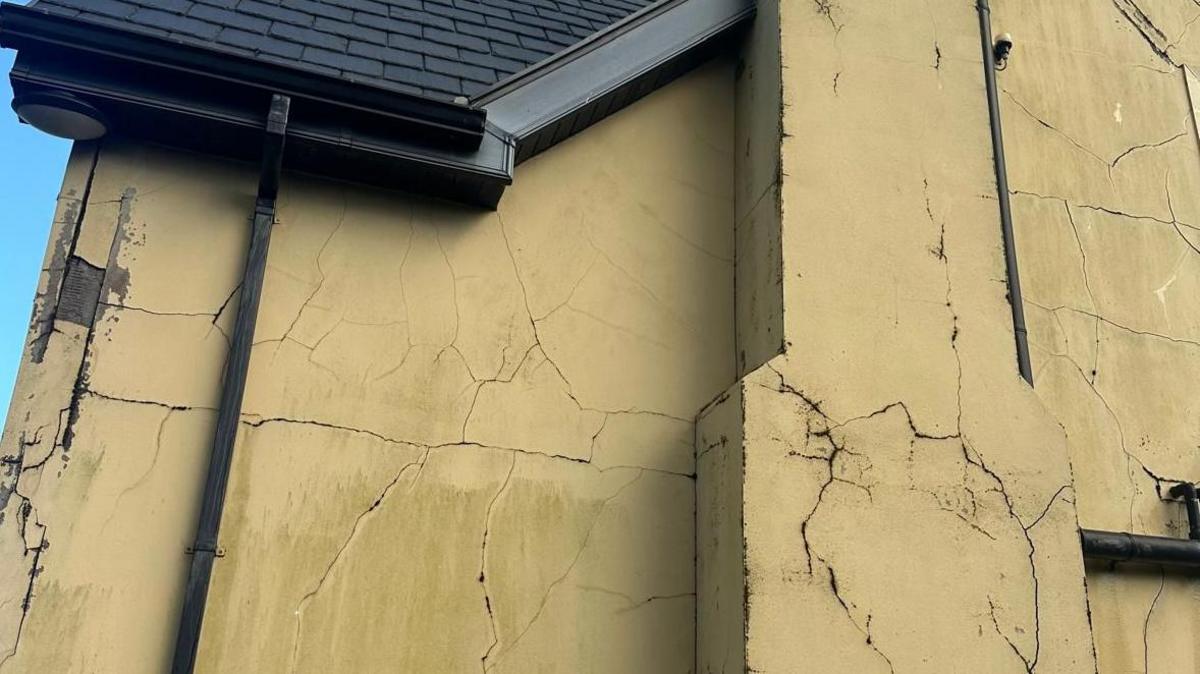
point(1104, 165)
point(906, 500)
point(893, 496)
point(107, 439)
point(467, 440)
point(467, 435)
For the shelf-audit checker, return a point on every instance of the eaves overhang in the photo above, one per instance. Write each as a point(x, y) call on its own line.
point(578, 87)
point(211, 101)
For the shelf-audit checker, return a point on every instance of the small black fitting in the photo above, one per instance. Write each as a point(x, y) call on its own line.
point(1187, 492)
point(1001, 49)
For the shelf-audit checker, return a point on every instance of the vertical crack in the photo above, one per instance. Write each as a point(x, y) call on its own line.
point(339, 555)
point(558, 581)
point(1087, 286)
point(487, 528)
point(1162, 581)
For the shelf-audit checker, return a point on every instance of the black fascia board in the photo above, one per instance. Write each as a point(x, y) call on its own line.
point(211, 117)
point(440, 123)
point(559, 97)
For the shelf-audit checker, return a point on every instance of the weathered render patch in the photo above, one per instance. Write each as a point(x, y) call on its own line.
point(80, 292)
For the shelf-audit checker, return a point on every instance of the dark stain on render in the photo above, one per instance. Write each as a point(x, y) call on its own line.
point(80, 292)
point(116, 280)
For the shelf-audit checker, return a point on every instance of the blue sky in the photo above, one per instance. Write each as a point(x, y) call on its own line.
point(31, 171)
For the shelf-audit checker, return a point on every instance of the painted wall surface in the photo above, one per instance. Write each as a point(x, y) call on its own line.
point(470, 439)
point(892, 495)
point(463, 430)
point(107, 439)
point(466, 430)
point(1104, 162)
point(906, 500)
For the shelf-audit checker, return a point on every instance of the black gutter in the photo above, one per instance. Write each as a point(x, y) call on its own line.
point(193, 112)
point(206, 548)
point(439, 121)
point(1114, 546)
point(210, 100)
point(1006, 226)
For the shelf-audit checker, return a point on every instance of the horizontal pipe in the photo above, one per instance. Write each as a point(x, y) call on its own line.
point(1117, 546)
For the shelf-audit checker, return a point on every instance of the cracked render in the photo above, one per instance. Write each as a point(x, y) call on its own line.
point(462, 429)
point(465, 430)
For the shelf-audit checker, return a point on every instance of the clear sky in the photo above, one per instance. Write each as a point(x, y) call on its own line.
point(31, 172)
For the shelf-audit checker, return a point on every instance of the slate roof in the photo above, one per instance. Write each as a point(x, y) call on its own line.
point(437, 48)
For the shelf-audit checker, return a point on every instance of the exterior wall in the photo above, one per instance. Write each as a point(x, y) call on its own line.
point(888, 495)
point(465, 432)
point(906, 500)
point(1104, 161)
point(108, 436)
point(759, 256)
point(462, 429)
point(758, 318)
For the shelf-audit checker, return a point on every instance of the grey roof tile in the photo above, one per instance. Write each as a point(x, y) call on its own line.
point(230, 19)
point(438, 48)
point(260, 43)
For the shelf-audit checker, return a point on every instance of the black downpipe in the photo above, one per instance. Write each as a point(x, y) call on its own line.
point(1006, 227)
point(1116, 546)
point(206, 549)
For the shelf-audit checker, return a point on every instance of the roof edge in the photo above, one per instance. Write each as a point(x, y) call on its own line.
point(569, 92)
point(22, 27)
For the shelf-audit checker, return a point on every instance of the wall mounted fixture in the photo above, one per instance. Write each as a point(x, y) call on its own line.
point(1001, 50)
point(1116, 546)
point(61, 114)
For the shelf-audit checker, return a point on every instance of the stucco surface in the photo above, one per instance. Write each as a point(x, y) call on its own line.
point(462, 431)
point(465, 430)
point(470, 439)
point(907, 500)
point(1104, 160)
point(758, 128)
point(107, 439)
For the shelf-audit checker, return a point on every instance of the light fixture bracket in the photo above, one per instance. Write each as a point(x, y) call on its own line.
point(61, 114)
